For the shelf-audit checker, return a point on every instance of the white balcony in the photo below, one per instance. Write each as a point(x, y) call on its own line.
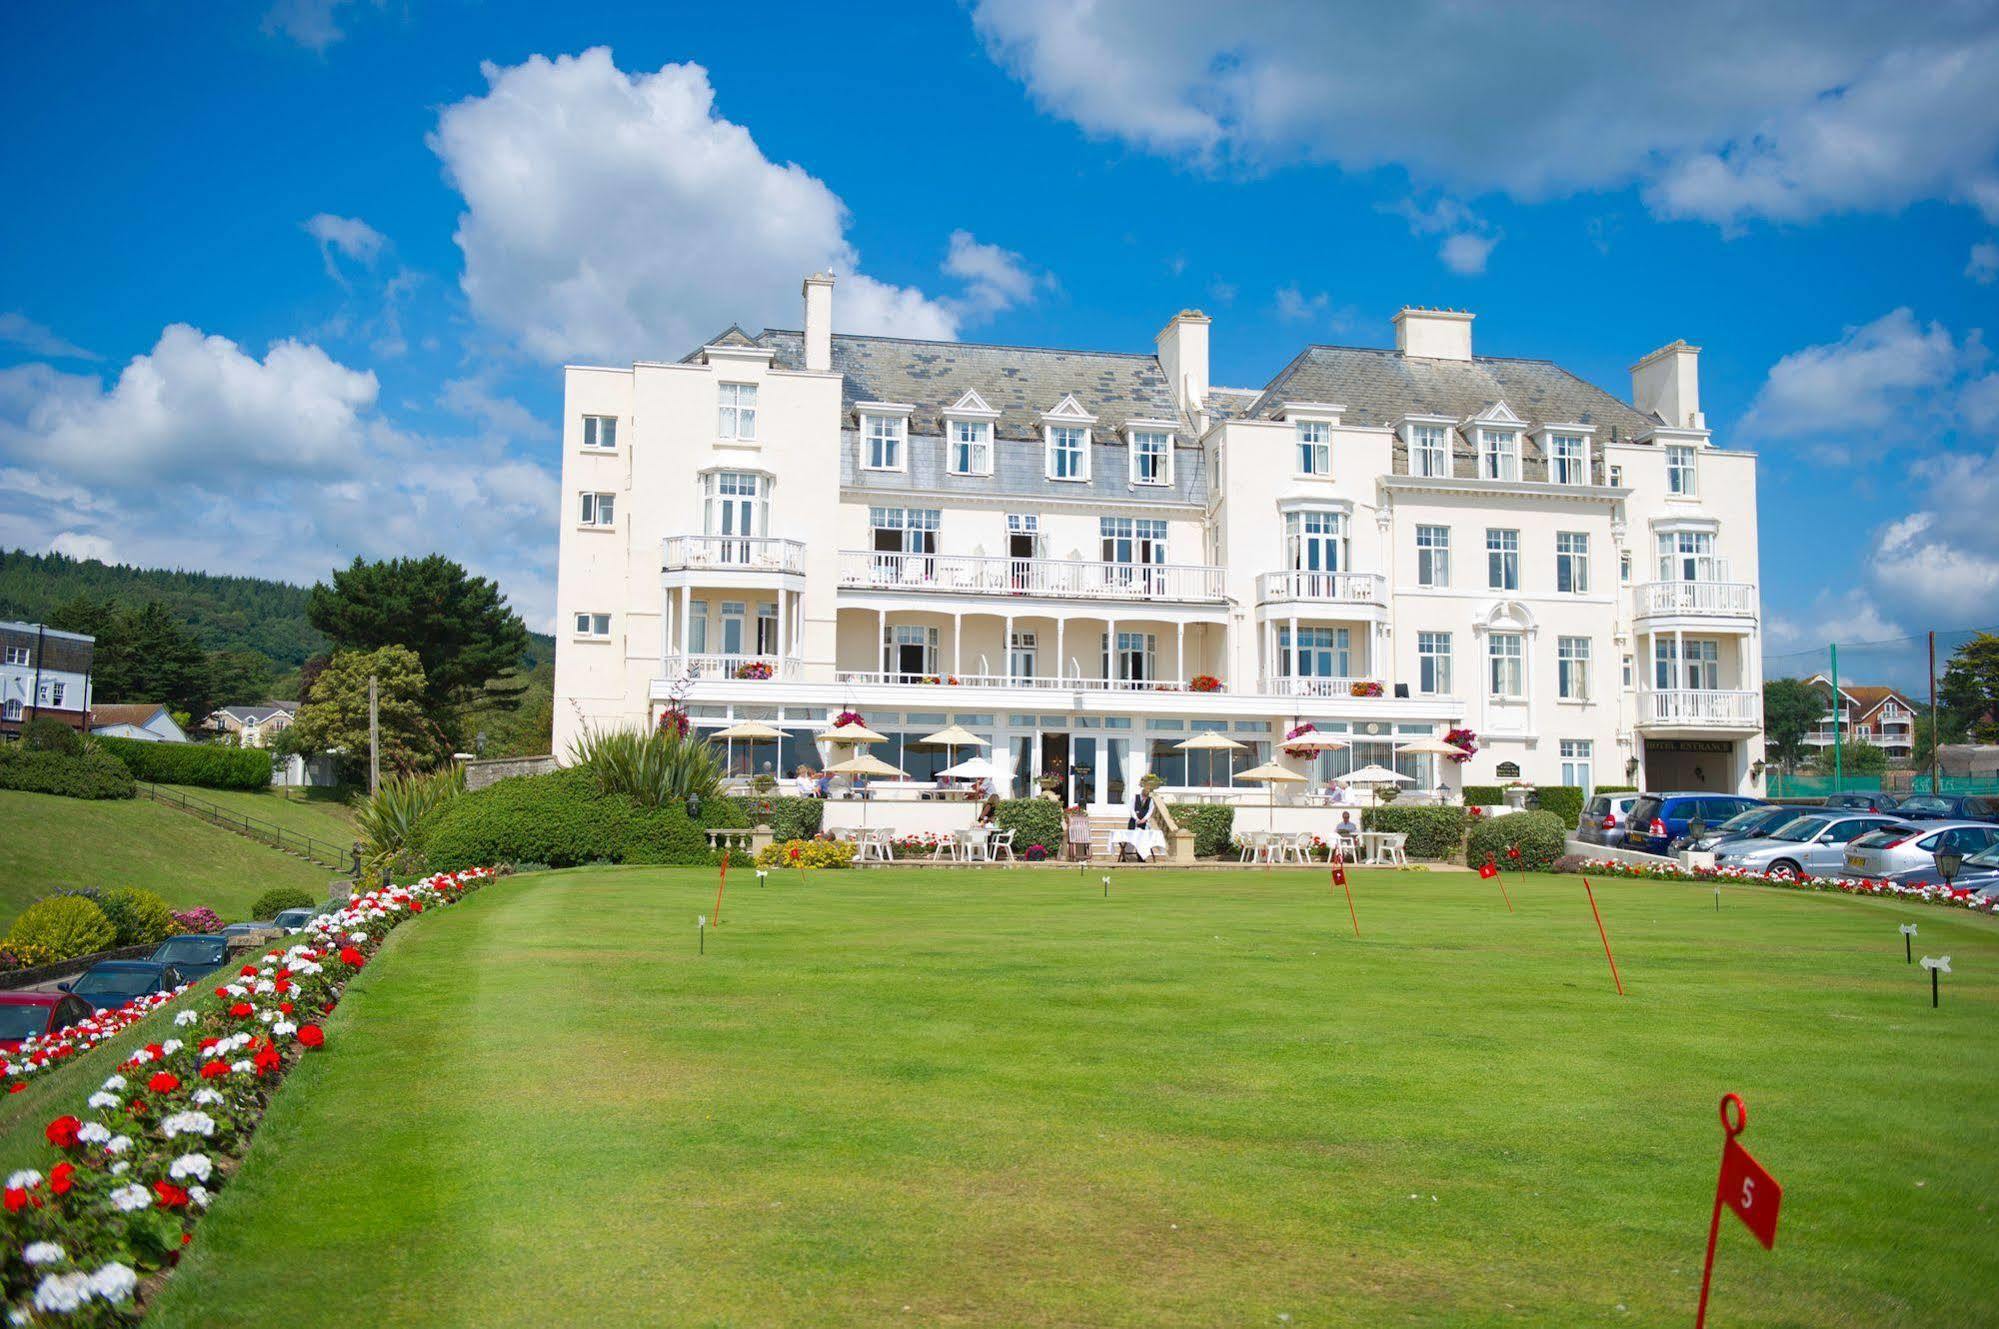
point(1049, 682)
point(1053, 578)
point(1700, 708)
point(1320, 686)
point(747, 667)
point(733, 554)
point(1694, 599)
point(1358, 588)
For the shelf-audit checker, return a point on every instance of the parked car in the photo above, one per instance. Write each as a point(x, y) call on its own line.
point(1949, 807)
point(1602, 818)
point(195, 954)
point(26, 1015)
point(231, 931)
point(1866, 800)
point(1656, 820)
point(1916, 845)
point(291, 920)
point(1742, 826)
point(1980, 873)
point(1810, 845)
point(111, 983)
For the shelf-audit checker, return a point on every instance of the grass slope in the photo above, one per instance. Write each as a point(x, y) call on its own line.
point(46, 842)
point(323, 818)
point(999, 1098)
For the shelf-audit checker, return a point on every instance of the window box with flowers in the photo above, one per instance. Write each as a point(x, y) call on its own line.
point(1204, 683)
point(754, 669)
point(1368, 689)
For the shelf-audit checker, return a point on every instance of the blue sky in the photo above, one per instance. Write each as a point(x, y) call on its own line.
point(284, 283)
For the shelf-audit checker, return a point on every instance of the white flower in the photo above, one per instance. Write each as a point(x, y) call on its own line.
point(186, 1018)
point(241, 1067)
point(358, 938)
point(118, 1144)
point(187, 1123)
point(114, 1282)
point(283, 1028)
point(207, 1098)
point(171, 1046)
point(101, 1100)
point(62, 1293)
point(44, 1252)
point(200, 1195)
point(115, 1084)
point(120, 1168)
point(190, 1165)
point(93, 1132)
point(267, 1016)
point(25, 1179)
point(19, 1315)
point(128, 1199)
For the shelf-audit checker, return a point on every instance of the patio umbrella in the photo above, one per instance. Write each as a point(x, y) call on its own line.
point(1315, 742)
point(749, 731)
point(972, 768)
point(1212, 742)
point(854, 733)
point(951, 739)
point(1434, 747)
point(1377, 775)
point(1268, 774)
point(865, 763)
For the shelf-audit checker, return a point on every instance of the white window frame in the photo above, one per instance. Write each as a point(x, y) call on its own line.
point(1499, 455)
point(1314, 453)
point(19, 655)
point(970, 446)
point(1143, 443)
point(1506, 665)
point(594, 429)
point(1330, 541)
point(884, 441)
point(1507, 552)
point(591, 626)
point(1023, 650)
point(1615, 475)
point(1333, 645)
point(725, 490)
point(1572, 561)
point(736, 411)
point(597, 510)
point(1572, 668)
point(1430, 450)
point(1568, 457)
point(1081, 451)
point(1578, 764)
point(1433, 664)
point(58, 688)
point(1433, 561)
point(12, 709)
point(1682, 475)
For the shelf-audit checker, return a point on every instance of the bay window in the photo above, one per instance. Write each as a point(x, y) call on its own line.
point(1687, 556)
point(1699, 668)
point(1316, 653)
point(1315, 539)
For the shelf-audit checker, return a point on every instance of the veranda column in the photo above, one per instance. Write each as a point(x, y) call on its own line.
point(881, 641)
point(1680, 672)
point(783, 617)
point(1180, 652)
point(1061, 635)
point(1006, 648)
point(685, 639)
point(1110, 656)
point(957, 643)
point(1296, 654)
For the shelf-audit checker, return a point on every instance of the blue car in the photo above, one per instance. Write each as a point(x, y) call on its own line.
point(1657, 820)
point(195, 954)
point(1948, 807)
point(109, 984)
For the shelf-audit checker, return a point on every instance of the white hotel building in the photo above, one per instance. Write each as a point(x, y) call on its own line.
point(1051, 547)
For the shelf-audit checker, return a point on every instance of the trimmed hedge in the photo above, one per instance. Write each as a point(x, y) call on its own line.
point(278, 899)
point(1434, 832)
point(1614, 789)
point(1485, 795)
point(89, 774)
point(1213, 826)
point(1032, 821)
point(1564, 800)
point(65, 926)
point(1541, 837)
point(205, 765)
point(562, 819)
point(795, 818)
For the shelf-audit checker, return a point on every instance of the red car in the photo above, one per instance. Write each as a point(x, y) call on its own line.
point(25, 1015)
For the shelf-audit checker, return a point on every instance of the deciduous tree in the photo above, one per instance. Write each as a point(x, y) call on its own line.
point(336, 719)
point(1791, 708)
point(1970, 688)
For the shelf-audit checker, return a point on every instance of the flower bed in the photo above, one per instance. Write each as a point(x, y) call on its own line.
point(133, 1175)
point(815, 853)
point(52, 1049)
point(1955, 897)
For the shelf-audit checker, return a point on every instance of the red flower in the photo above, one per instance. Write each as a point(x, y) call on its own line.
point(311, 1035)
point(249, 971)
point(61, 1178)
point(282, 985)
point(285, 1006)
point(138, 1107)
point(171, 1196)
point(267, 1060)
point(222, 992)
point(16, 1087)
point(62, 1132)
point(14, 1200)
point(164, 1083)
point(350, 956)
point(208, 1042)
point(242, 1010)
point(215, 1070)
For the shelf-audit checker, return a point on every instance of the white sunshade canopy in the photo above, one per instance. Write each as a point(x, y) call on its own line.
point(957, 736)
point(854, 733)
point(1377, 775)
point(1209, 742)
point(972, 768)
point(755, 730)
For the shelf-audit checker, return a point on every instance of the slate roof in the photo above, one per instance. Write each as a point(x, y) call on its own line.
point(66, 652)
point(1020, 382)
point(1020, 470)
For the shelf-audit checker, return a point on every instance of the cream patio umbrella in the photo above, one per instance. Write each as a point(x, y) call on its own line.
point(750, 731)
point(865, 763)
point(1432, 747)
point(1212, 742)
point(853, 733)
point(951, 739)
point(1271, 773)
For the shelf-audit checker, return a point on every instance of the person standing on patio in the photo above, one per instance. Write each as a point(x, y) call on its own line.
point(1141, 810)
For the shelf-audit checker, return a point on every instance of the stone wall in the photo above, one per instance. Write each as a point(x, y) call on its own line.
point(490, 770)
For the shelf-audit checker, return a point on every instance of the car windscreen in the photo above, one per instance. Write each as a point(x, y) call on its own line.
point(1922, 803)
point(191, 952)
point(1751, 818)
point(1644, 810)
point(23, 1021)
point(1986, 858)
point(1801, 830)
point(116, 983)
point(1877, 839)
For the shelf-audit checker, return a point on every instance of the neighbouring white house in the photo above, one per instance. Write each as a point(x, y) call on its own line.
point(1866, 713)
point(1089, 557)
point(252, 726)
point(44, 672)
point(147, 721)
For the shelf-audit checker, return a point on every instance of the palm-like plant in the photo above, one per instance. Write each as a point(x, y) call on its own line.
point(653, 768)
point(389, 816)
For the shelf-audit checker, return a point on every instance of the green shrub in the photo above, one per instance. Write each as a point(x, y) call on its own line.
point(564, 819)
point(652, 767)
point(1564, 800)
point(1434, 832)
point(1212, 825)
point(45, 733)
point(388, 817)
point(1615, 789)
point(665, 835)
point(1485, 795)
point(88, 774)
point(206, 765)
point(1541, 838)
point(1032, 821)
point(65, 926)
point(795, 818)
point(139, 918)
point(278, 899)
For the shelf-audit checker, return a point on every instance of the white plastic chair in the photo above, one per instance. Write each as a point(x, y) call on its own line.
point(1001, 846)
point(1392, 849)
point(1299, 848)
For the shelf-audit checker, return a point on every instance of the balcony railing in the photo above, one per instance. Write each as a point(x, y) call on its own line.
point(1048, 682)
point(1324, 587)
point(1715, 598)
point(746, 553)
point(1692, 706)
point(1285, 685)
point(712, 666)
point(1059, 578)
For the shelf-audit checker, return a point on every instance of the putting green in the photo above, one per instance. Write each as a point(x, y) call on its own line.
point(996, 1097)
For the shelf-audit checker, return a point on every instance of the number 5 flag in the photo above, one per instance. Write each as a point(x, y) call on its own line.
point(1750, 1191)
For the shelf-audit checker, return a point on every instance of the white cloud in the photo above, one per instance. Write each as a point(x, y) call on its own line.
point(617, 216)
point(78, 544)
point(1466, 253)
point(313, 24)
point(995, 279)
point(1846, 616)
point(1983, 266)
point(473, 398)
point(22, 331)
point(1719, 111)
point(349, 237)
point(1294, 306)
point(1887, 371)
point(1468, 238)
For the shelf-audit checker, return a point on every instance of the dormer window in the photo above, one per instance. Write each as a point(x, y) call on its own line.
point(1681, 480)
point(737, 417)
point(1068, 452)
point(1568, 458)
point(1151, 457)
point(971, 447)
point(882, 440)
point(1499, 454)
point(1429, 451)
point(1315, 447)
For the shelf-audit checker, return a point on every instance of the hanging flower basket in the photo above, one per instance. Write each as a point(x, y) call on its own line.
point(847, 718)
point(1300, 732)
point(673, 720)
point(1462, 738)
point(1204, 683)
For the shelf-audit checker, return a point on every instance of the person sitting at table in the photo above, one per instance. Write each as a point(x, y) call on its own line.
point(807, 786)
point(989, 807)
point(1348, 832)
point(1078, 834)
point(825, 784)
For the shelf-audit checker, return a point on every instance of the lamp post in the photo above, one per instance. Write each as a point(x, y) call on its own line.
point(1696, 828)
point(1949, 861)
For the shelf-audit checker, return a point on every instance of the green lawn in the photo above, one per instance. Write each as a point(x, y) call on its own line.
point(324, 818)
point(46, 842)
point(998, 1098)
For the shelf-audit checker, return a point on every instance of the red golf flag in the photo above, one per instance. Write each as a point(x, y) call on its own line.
point(1339, 873)
point(1488, 869)
point(1743, 1186)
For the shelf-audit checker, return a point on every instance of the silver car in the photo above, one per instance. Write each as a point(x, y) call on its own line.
point(1916, 845)
point(1812, 846)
